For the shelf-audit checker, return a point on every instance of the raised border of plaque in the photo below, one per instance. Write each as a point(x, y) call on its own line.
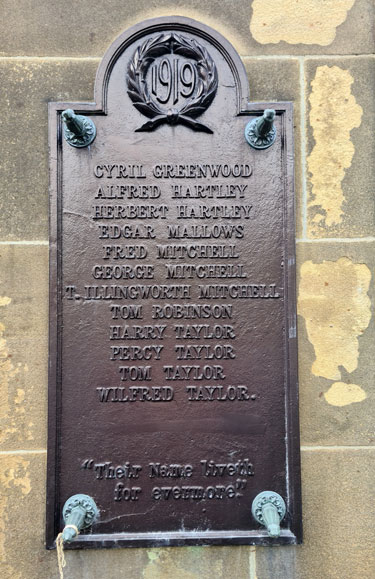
point(293, 533)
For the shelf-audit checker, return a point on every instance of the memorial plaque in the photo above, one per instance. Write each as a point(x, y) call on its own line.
point(173, 382)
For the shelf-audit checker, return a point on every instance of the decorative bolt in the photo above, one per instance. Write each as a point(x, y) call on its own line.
point(79, 131)
point(260, 133)
point(269, 509)
point(79, 512)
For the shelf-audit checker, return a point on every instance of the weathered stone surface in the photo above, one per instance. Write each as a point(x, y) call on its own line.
point(26, 87)
point(343, 394)
point(275, 80)
point(312, 26)
point(23, 346)
point(341, 124)
point(22, 480)
point(22, 486)
point(332, 505)
point(84, 28)
point(339, 513)
point(22, 551)
point(336, 341)
point(303, 22)
point(279, 80)
point(334, 328)
point(166, 563)
point(93, 28)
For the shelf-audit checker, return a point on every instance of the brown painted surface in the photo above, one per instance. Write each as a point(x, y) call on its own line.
point(224, 394)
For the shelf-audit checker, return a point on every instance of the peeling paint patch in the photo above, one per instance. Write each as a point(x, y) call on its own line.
point(163, 564)
point(187, 563)
point(7, 369)
point(14, 477)
point(298, 21)
point(20, 397)
point(341, 394)
point(11, 406)
point(334, 302)
point(14, 474)
point(334, 113)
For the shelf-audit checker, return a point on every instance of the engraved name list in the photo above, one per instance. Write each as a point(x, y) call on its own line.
point(186, 279)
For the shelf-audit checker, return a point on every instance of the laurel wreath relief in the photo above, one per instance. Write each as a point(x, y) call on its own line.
point(138, 91)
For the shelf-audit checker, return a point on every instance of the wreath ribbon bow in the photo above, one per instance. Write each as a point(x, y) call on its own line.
point(173, 117)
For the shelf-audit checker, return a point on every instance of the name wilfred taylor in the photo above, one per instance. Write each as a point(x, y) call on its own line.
point(166, 393)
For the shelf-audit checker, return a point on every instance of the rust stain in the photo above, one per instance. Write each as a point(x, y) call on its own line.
point(334, 113)
point(334, 302)
point(298, 21)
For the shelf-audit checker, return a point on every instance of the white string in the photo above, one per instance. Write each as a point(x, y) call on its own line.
point(60, 550)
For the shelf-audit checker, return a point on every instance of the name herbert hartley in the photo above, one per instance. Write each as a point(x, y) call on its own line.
point(166, 393)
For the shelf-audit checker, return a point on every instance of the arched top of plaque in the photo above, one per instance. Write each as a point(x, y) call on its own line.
point(172, 70)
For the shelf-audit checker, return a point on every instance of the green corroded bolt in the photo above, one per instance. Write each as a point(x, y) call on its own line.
point(73, 122)
point(74, 521)
point(79, 512)
point(79, 131)
point(269, 509)
point(264, 124)
point(260, 133)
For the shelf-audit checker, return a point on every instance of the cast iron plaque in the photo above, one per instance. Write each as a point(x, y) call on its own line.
point(173, 385)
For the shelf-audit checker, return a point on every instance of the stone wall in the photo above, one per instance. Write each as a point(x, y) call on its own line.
point(317, 53)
